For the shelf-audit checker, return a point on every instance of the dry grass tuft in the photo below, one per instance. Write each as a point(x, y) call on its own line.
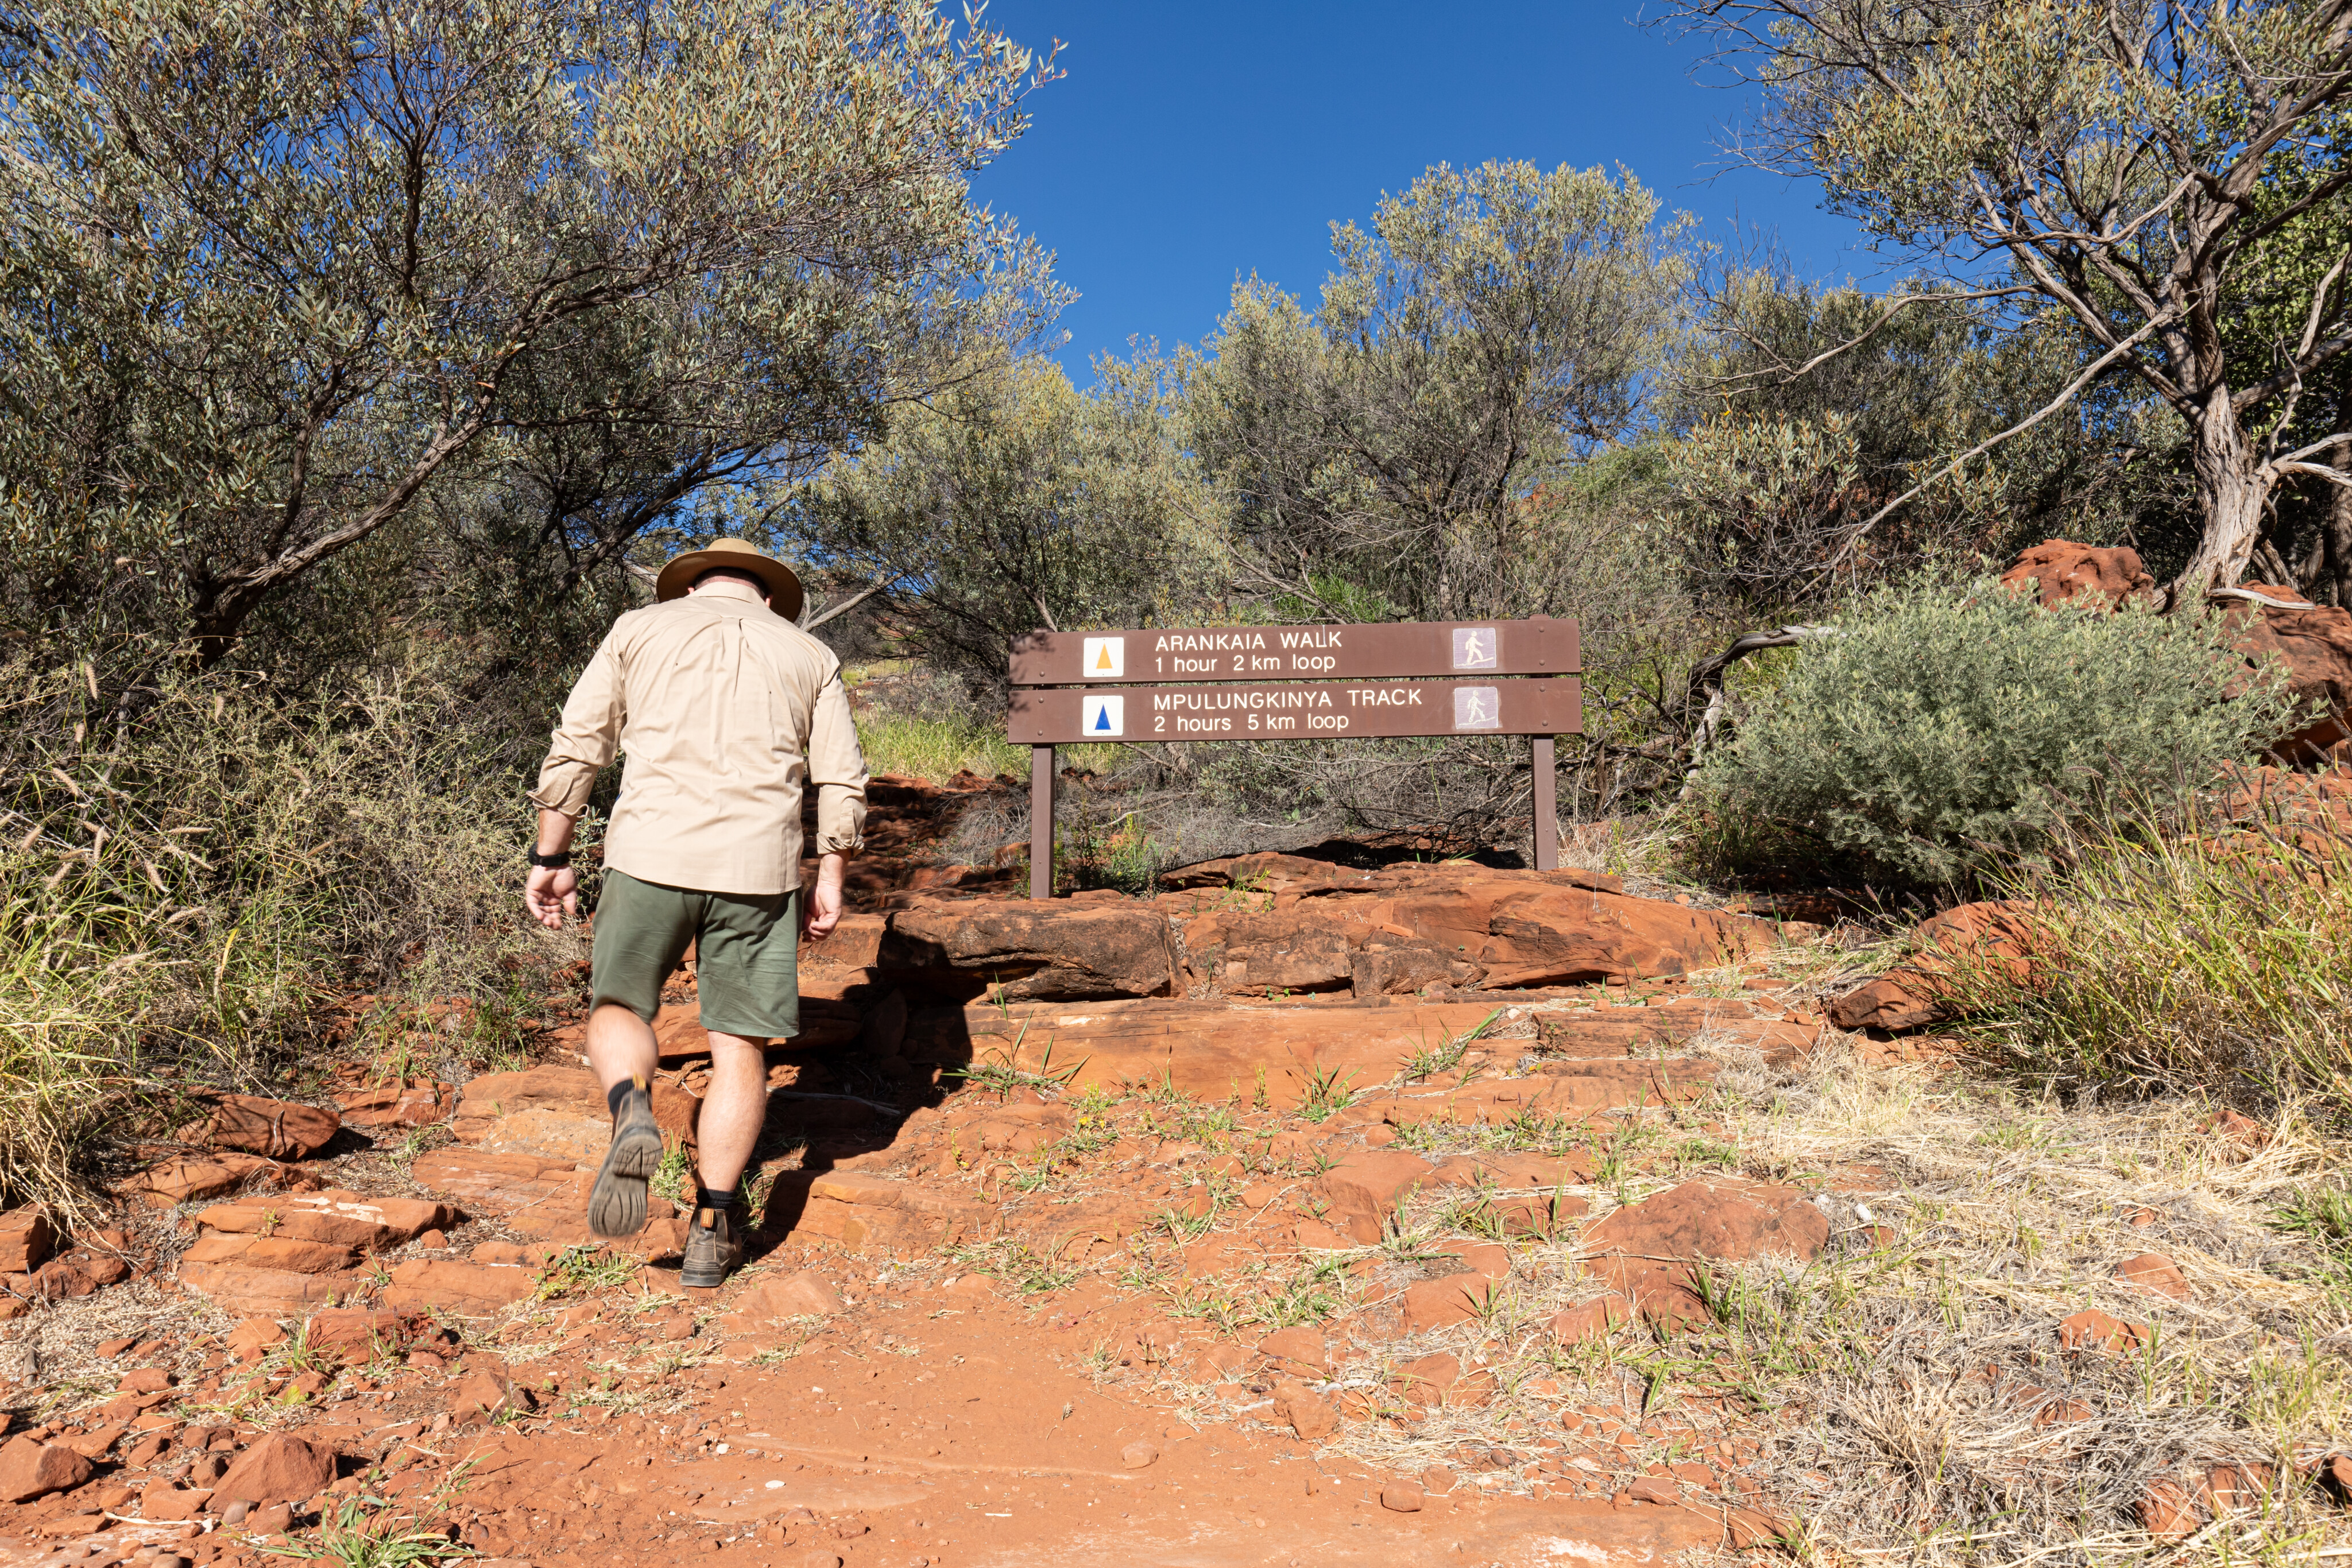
point(2221, 957)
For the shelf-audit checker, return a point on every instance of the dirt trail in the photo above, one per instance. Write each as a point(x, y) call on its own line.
point(1290, 1238)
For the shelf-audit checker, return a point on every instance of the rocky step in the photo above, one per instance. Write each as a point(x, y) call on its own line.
point(1221, 1050)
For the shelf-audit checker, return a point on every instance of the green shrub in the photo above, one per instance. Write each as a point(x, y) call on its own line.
point(1946, 726)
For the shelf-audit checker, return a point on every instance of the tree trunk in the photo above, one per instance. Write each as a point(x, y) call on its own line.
point(2230, 491)
point(2335, 530)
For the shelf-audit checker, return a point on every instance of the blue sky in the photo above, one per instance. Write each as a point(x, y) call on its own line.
point(1196, 140)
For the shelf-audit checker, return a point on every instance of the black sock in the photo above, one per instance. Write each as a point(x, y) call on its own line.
point(707, 1201)
point(616, 1094)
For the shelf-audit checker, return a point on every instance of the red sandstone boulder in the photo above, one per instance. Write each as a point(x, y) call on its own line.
point(26, 1239)
point(1309, 1414)
point(2060, 570)
point(278, 1468)
point(2313, 646)
point(1972, 935)
point(1264, 954)
point(1056, 950)
point(274, 1129)
point(29, 1470)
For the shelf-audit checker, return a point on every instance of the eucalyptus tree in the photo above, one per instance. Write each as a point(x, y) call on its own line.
point(273, 270)
point(2151, 168)
point(1495, 326)
point(1013, 501)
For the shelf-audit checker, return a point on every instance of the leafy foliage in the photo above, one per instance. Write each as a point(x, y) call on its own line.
point(1947, 724)
point(283, 271)
point(2168, 177)
point(1014, 502)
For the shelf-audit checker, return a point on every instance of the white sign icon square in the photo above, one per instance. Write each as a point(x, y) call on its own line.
point(1474, 647)
point(1478, 707)
point(1105, 659)
point(1103, 717)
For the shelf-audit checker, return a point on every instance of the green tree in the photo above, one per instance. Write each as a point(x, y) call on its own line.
point(274, 270)
point(1494, 327)
point(2129, 162)
point(1015, 501)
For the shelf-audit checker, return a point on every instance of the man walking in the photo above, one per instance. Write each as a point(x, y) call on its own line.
point(728, 711)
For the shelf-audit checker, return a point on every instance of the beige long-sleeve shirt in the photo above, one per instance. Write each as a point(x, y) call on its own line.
point(726, 712)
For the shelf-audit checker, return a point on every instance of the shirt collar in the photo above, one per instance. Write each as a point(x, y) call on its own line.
point(728, 588)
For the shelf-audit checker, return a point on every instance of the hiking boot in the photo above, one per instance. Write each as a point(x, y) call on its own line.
point(713, 1250)
point(616, 1204)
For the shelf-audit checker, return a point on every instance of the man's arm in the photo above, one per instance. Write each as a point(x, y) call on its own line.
point(837, 768)
point(584, 740)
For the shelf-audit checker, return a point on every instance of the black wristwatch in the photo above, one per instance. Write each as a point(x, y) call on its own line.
point(555, 862)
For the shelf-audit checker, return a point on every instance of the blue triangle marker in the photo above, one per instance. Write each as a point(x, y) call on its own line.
point(1102, 718)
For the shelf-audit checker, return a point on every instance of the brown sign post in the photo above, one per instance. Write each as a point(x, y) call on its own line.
point(1294, 683)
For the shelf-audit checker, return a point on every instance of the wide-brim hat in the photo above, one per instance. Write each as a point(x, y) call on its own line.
point(784, 594)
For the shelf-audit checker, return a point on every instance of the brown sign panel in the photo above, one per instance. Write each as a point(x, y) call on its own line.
point(1463, 649)
point(1332, 710)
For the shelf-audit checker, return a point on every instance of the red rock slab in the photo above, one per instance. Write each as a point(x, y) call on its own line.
point(397, 1104)
point(286, 1253)
point(175, 1181)
point(335, 1216)
point(1649, 1251)
point(869, 1213)
point(469, 1290)
point(1372, 1181)
point(1602, 1030)
point(495, 1182)
point(571, 1090)
point(2154, 1271)
point(357, 1335)
point(278, 1291)
point(1029, 951)
point(1455, 1297)
point(274, 1129)
point(26, 1239)
point(1208, 1049)
point(1514, 1172)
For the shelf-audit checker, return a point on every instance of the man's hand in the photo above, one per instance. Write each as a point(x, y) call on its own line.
point(550, 892)
point(825, 898)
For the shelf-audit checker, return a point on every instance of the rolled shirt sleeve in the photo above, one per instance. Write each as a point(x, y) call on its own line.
point(587, 735)
point(836, 767)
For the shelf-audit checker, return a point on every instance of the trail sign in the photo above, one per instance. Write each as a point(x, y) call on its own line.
point(1325, 711)
point(1294, 683)
point(1538, 647)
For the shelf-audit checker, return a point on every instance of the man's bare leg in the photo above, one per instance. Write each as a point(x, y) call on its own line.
point(620, 1045)
point(621, 1051)
point(733, 1106)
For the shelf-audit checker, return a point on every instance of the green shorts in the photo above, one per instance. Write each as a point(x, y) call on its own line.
point(746, 954)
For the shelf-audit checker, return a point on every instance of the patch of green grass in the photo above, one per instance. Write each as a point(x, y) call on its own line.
point(673, 1178)
point(1447, 1053)
point(583, 1270)
point(358, 1538)
point(1017, 1264)
point(1329, 1093)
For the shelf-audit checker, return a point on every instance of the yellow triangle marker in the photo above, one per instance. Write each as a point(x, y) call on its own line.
point(1102, 659)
